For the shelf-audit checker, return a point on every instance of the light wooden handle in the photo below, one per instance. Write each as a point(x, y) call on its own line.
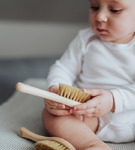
point(44, 94)
point(25, 133)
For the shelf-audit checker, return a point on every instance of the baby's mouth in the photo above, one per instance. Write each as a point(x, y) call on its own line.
point(101, 30)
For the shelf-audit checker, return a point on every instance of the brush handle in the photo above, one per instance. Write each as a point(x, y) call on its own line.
point(24, 88)
point(25, 133)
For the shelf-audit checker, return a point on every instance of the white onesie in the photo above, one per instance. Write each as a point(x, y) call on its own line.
point(104, 65)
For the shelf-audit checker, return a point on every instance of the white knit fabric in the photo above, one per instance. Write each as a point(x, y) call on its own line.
point(105, 65)
point(25, 110)
point(99, 64)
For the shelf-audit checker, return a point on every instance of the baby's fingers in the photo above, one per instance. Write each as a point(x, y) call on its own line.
point(58, 112)
point(88, 105)
point(56, 105)
point(83, 112)
point(88, 113)
point(93, 92)
point(53, 104)
point(93, 115)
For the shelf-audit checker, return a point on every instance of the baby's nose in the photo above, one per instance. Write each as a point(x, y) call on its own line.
point(101, 16)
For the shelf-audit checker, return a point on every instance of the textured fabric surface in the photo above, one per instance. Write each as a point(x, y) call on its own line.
point(25, 110)
point(21, 110)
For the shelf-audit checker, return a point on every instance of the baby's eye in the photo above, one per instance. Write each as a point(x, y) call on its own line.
point(116, 10)
point(94, 8)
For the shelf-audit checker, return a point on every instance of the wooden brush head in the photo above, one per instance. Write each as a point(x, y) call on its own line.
point(73, 93)
point(50, 145)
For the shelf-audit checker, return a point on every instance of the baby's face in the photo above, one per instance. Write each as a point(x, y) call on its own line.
point(113, 20)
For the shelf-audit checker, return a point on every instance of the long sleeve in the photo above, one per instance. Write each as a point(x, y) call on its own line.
point(99, 64)
point(67, 68)
point(124, 98)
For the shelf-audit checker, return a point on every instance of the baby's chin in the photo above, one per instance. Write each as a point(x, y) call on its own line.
point(105, 38)
point(108, 38)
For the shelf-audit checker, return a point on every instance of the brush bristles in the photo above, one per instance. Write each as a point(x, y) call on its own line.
point(73, 93)
point(49, 145)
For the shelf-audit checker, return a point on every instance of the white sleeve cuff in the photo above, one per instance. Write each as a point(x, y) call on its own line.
point(117, 101)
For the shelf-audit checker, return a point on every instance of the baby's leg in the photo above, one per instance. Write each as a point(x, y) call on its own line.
point(73, 130)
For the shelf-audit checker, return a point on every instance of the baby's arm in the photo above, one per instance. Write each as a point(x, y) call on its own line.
point(68, 67)
point(55, 108)
point(124, 98)
point(101, 103)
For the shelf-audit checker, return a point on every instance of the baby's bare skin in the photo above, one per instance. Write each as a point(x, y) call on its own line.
point(79, 133)
point(76, 127)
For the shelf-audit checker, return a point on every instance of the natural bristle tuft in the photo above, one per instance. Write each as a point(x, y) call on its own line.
point(73, 93)
point(49, 145)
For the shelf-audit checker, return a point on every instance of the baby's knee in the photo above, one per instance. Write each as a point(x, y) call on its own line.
point(51, 123)
point(92, 123)
point(46, 119)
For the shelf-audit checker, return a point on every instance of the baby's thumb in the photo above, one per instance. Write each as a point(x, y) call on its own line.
point(93, 92)
point(53, 89)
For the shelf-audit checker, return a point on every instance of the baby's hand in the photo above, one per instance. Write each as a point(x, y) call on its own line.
point(56, 108)
point(101, 103)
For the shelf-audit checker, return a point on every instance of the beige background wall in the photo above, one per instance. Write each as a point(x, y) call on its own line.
point(19, 39)
point(35, 28)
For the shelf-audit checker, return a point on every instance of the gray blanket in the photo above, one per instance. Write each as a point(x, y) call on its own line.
point(25, 110)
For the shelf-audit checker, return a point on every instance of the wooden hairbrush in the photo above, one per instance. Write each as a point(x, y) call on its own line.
point(45, 143)
point(68, 95)
point(73, 93)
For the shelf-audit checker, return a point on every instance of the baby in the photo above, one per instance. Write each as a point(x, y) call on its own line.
point(103, 59)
